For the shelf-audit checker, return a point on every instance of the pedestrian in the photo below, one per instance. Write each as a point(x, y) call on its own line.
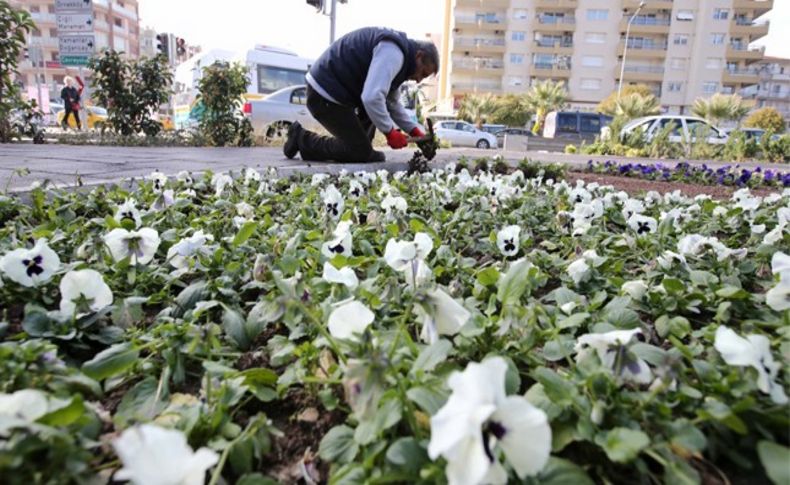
point(354, 88)
point(71, 101)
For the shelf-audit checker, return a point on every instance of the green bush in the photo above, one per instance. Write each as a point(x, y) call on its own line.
point(766, 118)
point(222, 88)
point(775, 150)
point(739, 147)
point(14, 25)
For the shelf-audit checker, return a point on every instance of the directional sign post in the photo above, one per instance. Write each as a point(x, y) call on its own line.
point(62, 5)
point(75, 31)
point(72, 45)
point(75, 23)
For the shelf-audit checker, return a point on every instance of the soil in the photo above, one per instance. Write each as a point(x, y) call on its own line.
point(636, 186)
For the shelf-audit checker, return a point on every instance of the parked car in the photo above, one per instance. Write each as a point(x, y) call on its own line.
point(685, 128)
point(755, 134)
point(461, 133)
point(500, 135)
point(493, 129)
point(575, 125)
point(272, 115)
point(96, 117)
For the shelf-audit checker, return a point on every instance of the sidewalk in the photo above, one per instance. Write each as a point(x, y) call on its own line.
point(70, 165)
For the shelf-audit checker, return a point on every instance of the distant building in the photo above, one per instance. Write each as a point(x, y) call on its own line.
point(774, 87)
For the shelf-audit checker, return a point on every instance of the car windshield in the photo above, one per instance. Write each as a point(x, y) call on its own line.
point(99, 111)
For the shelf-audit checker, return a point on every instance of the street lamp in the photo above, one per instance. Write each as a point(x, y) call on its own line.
point(625, 49)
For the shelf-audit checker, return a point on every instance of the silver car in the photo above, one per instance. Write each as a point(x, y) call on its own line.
point(272, 115)
point(684, 128)
point(461, 133)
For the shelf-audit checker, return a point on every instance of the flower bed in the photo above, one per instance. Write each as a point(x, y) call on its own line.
point(730, 175)
point(392, 328)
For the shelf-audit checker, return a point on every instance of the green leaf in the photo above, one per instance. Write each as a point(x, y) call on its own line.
point(431, 356)
point(233, 324)
point(407, 453)
point(189, 297)
point(65, 415)
point(514, 284)
point(428, 399)
point(776, 461)
point(732, 293)
point(255, 479)
point(488, 276)
point(338, 445)
point(573, 321)
point(141, 404)
point(560, 390)
point(244, 233)
point(387, 415)
point(129, 312)
point(622, 445)
point(559, 471)
point(673, 285)
point(111, 361)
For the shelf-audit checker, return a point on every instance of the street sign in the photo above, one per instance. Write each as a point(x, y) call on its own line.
point(61, 5)
point(75, 23)
point(74, 60)
point(77, 44)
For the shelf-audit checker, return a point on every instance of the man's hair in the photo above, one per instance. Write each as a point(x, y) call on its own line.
point(429, 52)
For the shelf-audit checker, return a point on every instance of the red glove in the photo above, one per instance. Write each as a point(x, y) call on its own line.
point(397, 139)
point(417, 132)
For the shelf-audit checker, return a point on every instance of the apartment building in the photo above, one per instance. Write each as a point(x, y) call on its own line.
point(682, 49)
point(116, 26)
point(774, 87)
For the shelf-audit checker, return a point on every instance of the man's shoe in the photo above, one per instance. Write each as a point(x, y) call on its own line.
point(377, 156)
point(291, 147)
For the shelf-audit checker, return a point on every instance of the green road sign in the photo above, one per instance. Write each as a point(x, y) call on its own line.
point(74, 60)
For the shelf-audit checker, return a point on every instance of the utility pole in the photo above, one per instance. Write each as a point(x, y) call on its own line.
point(625, 48)
point(332, 22)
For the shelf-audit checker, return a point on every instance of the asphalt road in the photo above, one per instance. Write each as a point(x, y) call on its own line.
point(69, 165)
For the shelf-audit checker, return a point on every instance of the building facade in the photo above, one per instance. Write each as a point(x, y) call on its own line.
point(682, 49)
point(774, 87)
point(116, 26)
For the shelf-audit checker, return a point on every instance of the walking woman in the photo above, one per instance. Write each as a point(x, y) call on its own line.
point(71, 101)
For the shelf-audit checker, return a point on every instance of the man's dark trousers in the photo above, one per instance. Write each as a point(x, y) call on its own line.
point(352, 133)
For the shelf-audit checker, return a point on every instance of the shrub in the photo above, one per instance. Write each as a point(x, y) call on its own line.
point(14, 25)
point(739, 147)
point(609, 104)
point(222, 88)
point(571, 149)
point(767, 119)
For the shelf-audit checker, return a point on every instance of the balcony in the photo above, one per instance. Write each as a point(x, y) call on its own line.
point(745, 26)
point(488, 4)
point(760, 6)
point(643, 50)
point(471, 87)
point(741, 76)
point(480, 45)
point(647, 25)
point(545, 23)
point(642, 73)
point(43, 18)
point(553, 46)
point(478, 66)
point(649, 4)
point(744, 52)
point(480, 22)
point(569, 4)
point(551, 70)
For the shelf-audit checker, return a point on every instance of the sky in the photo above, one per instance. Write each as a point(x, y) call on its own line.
point(240, 24)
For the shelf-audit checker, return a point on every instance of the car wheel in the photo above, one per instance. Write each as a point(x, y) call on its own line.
point(483, 144)
point(278, 130)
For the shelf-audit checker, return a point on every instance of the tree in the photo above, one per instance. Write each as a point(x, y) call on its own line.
point(476, 108)
point(720, 107)
point(766, 118)
point(636, 105)
point(511, 110)
point(609, 104)
point(14, 26)
point(132, 91)
point(544, 97)
point(222, 88)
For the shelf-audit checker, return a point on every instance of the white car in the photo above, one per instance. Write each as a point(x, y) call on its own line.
point(461, 133)
point(272, 115)
point(685, 127)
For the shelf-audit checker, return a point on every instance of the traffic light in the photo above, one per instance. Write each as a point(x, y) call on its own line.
point(162, 45)
point(318, 4)
point(181, 47)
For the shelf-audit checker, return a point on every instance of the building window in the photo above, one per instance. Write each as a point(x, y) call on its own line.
point(717, 39)
point(35, 9)
point(592, 61)
point(681, 39)
point(118, 22)
point(520, 14)
point(516, 59)
point(515, 81)
point(721, 14)
point(53, 33)
point(55, 56)
point(518, 36)
point(597, 14)
point(713, 63)
point(677, 63)
point(595, 38)
point(36, 33)
point(710, 87)
point(685, 15)
point(674, 86)
point(590, 84)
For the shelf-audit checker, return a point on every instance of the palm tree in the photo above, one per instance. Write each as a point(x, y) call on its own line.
point(544, 97)
point(511, 110)
point(720, 107)
point(636, 105)
point(476, 108)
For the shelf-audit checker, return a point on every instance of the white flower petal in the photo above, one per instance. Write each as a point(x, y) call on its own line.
point(85, 284)
point(349, 319)
point(527, 440)
point(31, 267)
point(345, 276)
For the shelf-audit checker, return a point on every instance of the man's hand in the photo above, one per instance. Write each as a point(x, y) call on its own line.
point(396, 139)
point(417, 132)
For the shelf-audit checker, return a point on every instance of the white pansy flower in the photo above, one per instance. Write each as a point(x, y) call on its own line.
point(752, 351)
point(152, 455)
point(579, 270)
point(140, 245)
point(720, 211)
point(185, 177)
point(349, 319)
point(758, 228)
point(220, 181)
point(340, 243)
point(318, 179)
point(611, 350)
point(164, 200)
point(479, 420)
point(128, 210)
point(193, 246)
point(635, 289)
point(440, 315)
point(642, 225)
point(251, 175)
point(580, 195)
point(186, 194)
point(394, 203)
point(774, 236)
point(84, 291)
point(632, 207)
point(245, 210)
point(780, 265)
point(30, 267)
point(355, 189)
point(507, 240)
point(333, 201)
point(778, 297)
point(158, 180)
point(345, 276)
point(400, 255)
